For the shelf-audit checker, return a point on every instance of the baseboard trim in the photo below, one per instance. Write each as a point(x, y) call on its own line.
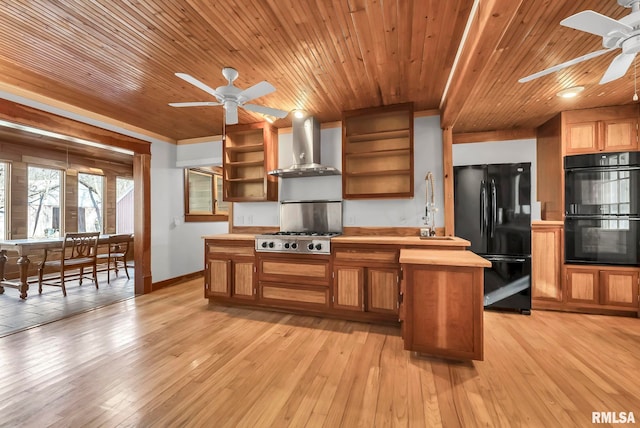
point(177, 280)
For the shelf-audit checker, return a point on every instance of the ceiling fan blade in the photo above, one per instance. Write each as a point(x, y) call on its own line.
point(565, 65)
point(266, 110)
point(198, 84)
point(231, 114)
point(195, 104)
point(256, 91)
point(595, 23)
point(618, 67)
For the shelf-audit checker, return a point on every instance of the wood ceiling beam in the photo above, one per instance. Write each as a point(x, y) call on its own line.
point(486, 30)
point(31, 117)
point(502, 135)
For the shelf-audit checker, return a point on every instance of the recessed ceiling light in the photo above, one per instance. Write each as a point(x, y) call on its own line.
point(570, 92)
point(299, 114)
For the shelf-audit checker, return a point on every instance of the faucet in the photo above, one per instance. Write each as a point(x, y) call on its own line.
point(430, 208)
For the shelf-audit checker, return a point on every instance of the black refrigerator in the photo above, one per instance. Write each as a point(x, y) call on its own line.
point(493, 212)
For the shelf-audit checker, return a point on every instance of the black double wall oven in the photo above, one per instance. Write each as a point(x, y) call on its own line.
point(602, 208)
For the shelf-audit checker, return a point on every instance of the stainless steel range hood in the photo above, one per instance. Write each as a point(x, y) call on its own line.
point(306, 151)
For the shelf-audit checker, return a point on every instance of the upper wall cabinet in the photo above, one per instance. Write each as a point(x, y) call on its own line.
point(377, 152)
point(249, 152)
point(608, 129)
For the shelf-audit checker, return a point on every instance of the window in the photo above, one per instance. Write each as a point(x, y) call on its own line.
point(43, 199)
point(4, 198)
point(124, 205)
point(203, 195)
point(90, 212)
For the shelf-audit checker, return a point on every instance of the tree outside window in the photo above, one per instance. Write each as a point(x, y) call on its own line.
point(43, 201)
point(124, 205)
point(90, 196)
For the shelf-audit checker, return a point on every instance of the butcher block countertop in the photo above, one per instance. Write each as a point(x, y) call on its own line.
point(443, 258)
point(438, 241)
point(232, 237)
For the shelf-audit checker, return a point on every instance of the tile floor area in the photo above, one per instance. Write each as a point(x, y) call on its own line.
point(17, 314)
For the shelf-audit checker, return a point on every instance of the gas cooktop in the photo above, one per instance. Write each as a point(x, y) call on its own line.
point(306, 233)
point(296, 242)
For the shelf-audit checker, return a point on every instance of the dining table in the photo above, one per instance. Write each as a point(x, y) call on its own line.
point(25, 248)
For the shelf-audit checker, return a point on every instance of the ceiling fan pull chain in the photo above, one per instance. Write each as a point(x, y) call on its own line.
point(635, 88)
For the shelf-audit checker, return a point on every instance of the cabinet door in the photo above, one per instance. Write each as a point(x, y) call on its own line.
point(582, 285)
point(243, 280)
point(219, 277)
point(546, 264)
point(619, 288)
point(620, 135)
point(348, 288)
point(581, 138)
point(382, 290)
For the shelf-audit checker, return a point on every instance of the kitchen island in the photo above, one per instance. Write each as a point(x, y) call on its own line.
point(359, 279)
point(442, 308)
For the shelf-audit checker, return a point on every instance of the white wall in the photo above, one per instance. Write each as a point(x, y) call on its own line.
point(176, 247)
point(199, 154)
point(513, 151)
point(374, 212)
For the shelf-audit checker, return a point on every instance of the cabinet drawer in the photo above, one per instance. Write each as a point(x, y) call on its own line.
point(289, 270)
point(304, 295)
point(388, 256)
point(230, 250)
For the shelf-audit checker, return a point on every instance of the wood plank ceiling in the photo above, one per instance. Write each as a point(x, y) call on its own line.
point(118, 59)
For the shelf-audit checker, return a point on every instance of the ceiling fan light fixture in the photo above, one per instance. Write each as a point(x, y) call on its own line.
point(570, 92)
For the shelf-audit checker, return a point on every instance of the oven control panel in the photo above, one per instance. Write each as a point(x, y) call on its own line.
point(297, 245)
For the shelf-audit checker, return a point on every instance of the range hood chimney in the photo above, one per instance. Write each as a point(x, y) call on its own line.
point(306, 151)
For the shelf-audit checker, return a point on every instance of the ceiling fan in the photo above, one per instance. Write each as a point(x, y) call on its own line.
point(622, 34)
point(232, 97)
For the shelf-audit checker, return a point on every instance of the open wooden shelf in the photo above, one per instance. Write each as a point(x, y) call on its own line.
point(245, 163)
point(249, 151)
point(246, 180)
point(247, 148)
point(380, 135)
point(380, 172)
point(377, 152)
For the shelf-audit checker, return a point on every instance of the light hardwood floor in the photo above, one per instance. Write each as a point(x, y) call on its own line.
point(169, 359)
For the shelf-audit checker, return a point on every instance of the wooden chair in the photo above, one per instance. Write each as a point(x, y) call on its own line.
point(78, 251)
point(118, 250)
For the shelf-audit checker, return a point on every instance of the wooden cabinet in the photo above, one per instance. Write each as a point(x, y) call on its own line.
point(442, 309)
point(377, 152)
point(366, 279)
point(296, 281)
point(348, 288)
point(250, 151)
point(546, 263)
point(383, 290)
point(619, 288)
point(608, 129)
point(602, 287)
point(582, 285)
point(230, 269)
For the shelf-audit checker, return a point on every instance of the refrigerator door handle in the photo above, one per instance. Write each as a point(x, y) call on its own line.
point(494, 207)
point(483, 206)
point(506, 259)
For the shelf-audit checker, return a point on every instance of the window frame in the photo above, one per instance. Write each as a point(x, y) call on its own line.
point(216, 215)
